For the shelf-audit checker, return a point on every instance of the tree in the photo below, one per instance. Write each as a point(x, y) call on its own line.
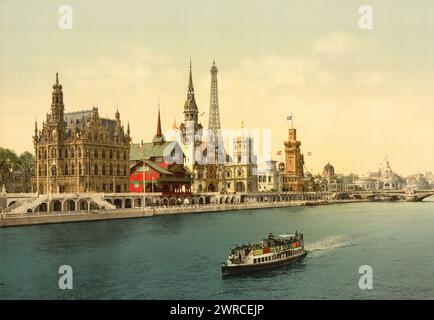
point(27, 166)
point(10, 163)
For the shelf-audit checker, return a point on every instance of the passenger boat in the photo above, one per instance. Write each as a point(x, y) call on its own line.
point(274, 251)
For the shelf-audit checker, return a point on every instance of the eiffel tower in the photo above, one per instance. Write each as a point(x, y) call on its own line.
point(214, 114)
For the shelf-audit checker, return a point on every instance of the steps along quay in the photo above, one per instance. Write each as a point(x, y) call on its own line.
point(30, 209)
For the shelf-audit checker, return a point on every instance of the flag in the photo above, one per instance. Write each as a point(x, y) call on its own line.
point(279, 153)
point(175, 127)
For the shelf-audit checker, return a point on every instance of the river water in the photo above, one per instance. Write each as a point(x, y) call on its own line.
point(179, 256)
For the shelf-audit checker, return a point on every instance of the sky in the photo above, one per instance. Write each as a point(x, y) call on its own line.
point(356, 95)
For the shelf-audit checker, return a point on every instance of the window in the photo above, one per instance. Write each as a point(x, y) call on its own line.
point(79, 152)
point(103, 169)
point(111, 154)
point(117, 155)
point(80, 169)
point(95, 153)
point(111, 170)
point(66, 169)
point(254, 260)
point(72, 153)
point(66, 153)
point(118, 170)
point(95, 169)
point(73, 170)
point(103, 153)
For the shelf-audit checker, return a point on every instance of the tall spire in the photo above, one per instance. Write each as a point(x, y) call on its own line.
point(117, 114)
point(158, 124)
point(159, 138)
point(190, 83)
point(190, 108)
point(57, 106)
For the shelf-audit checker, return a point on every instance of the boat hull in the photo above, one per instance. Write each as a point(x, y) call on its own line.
point(244, 269)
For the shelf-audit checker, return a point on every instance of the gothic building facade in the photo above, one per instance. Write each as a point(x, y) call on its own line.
point(79, 151)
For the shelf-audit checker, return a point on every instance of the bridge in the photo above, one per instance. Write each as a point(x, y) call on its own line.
point(406, 195)
point(86, 202)
point(19, 203)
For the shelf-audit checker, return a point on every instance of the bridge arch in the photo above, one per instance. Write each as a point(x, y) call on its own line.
point(56, 205)
point(128, 203)
point(118, 203)
point(137, 202)
point(69, 205)
point(82, 205)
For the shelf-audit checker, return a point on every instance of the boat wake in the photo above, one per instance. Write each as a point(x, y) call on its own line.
point(328, 244)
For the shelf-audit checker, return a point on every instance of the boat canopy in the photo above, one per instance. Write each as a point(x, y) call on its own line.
point(284, 236)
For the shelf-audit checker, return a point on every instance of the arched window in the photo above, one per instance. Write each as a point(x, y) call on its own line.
point(66, 153)
point(103, 153)
point(73, 169)
point(111, 154)
point(95, 153)
point(72, 153)
point(125, 155)
point(103, 169)
point(79, 152)
point(39, 154)
point(53, 153)
point(40, 170)
point(111, 169)
point(80, 169)
point(125, 171)
point(45, 154)
point(118, 170)
point(95, 169)
point(53, 171)
point(117, 154)
point(66, 169)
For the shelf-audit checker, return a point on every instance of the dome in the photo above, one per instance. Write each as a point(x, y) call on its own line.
point(328, 171)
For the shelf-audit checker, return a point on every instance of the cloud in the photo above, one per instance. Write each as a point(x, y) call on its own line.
point(336, 44)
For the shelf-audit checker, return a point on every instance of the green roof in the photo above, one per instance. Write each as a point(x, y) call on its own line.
point(140, 151)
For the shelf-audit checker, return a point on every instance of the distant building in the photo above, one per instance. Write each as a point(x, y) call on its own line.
point(329, 181)
point(79, 151)
point(270, 179)
point(158, 166)
point(417, 181)
point(241, 168)
point(294, 180)
point(383, 179)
